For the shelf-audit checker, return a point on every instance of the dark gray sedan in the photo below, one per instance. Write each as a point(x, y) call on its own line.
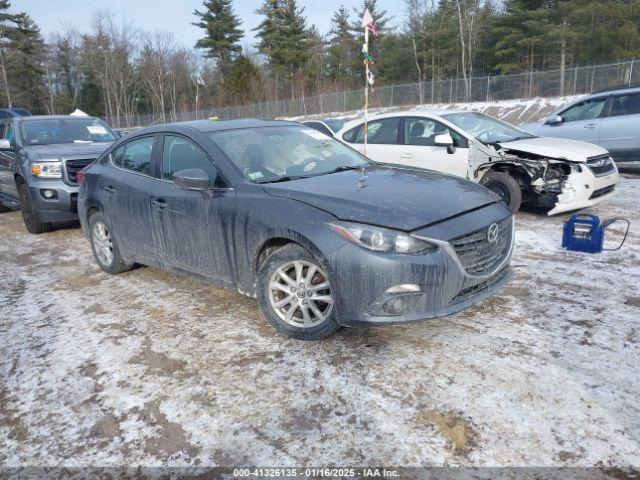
point(320, 234)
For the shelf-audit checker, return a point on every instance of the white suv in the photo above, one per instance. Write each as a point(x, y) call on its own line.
point(558, 174)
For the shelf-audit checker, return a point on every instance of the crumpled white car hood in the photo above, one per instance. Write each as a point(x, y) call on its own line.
point(561, 148)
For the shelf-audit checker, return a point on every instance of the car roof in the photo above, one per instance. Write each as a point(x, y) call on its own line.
point(404, 113)
point(206, 126)
point(53, 117)
point(619, 89)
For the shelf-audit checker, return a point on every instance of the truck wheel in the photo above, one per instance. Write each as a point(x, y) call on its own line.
point(295, 295)
point(104, 246)
point(506, 187)
point(30, 213)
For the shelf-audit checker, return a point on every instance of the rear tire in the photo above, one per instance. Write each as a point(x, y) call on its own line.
point(295, 295)
point(30, 213)
point(506, 187)
point(104, 246)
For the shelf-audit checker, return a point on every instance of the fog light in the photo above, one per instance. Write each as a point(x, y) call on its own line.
point(48, 193)
point(397, 300)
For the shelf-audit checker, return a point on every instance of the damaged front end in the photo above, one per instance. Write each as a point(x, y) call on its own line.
point(557, 184)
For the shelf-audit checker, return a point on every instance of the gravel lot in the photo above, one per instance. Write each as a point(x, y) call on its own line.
point(150, 368)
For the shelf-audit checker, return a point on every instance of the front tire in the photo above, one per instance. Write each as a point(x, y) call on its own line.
point(295, 295)
point(105, 249)
point(30, 212)
point(506, 187)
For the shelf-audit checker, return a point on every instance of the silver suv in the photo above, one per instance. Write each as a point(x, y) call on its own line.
point(609, 118)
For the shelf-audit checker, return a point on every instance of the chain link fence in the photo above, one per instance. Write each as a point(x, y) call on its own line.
point(550, 83)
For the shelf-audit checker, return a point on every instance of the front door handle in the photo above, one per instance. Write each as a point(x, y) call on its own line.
point(159, 203)
point(407, 155)
point(109, 189)
point(590, 126)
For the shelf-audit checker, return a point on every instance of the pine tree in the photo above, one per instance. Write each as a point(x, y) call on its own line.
point(243, 82)
point(222, 33)
point(283, 39)
point(8, 23)
point(24, 65)
point(343, 58)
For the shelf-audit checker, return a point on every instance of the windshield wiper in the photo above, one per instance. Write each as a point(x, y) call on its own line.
point(342, 168)
point(281, 179)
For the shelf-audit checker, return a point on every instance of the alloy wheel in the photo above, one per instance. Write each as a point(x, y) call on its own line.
point(300, 294)
point(102, 243)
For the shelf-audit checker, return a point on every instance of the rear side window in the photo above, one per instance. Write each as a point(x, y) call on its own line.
point(178, 153)
point(351, 135)
point(625, 105)
point(135, 155)
point(384, 132)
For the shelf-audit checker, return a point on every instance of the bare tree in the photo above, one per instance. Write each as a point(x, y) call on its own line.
point(468, 13)
point(416, 10)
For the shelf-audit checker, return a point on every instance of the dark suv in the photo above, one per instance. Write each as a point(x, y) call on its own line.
point(39, 159)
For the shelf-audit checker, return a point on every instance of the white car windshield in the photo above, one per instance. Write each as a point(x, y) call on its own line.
point(65, 130)
point(486, 129)
point(271, 154)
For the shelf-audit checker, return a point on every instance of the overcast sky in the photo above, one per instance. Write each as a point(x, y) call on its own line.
point(175, 15)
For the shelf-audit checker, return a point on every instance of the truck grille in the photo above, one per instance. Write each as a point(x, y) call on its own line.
point(601, 165)
point(478, 255)
point(74, 166)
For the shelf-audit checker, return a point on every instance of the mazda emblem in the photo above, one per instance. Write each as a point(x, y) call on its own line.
point(492, 233)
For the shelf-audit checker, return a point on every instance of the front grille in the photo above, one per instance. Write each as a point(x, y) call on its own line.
point(602, 191)
point(478, 288)
point(479, 256)
point(601, 165)
point(74, 166)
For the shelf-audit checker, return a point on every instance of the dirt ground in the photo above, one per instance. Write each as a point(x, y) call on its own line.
point(150, 368)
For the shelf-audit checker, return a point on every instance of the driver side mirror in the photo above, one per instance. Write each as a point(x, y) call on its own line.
point(554, 120)
point(5, 144)
point(193, 179)
point(445, 140)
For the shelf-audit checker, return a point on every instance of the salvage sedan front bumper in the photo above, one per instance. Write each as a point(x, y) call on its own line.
point(585, 188)
point(469, 265)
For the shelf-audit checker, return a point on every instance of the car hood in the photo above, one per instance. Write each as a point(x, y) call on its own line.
point(392, 197)
point(562, 148)
point(62, 150)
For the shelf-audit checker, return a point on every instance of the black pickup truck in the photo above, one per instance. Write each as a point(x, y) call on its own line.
point(40, 157)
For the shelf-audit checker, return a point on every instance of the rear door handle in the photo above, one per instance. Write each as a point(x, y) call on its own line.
point(109, 189)
point(590, 126)
point(407, 155)
point(159, 203)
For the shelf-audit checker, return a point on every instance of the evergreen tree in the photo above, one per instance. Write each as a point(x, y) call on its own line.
point(343, 52)
point(25, 72)
point(283, 39)
point(222, 32)
point(243, 82)
point(8, 23)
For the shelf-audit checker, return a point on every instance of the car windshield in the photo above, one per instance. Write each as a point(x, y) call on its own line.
point(486, 129)
point(65, 130)
point(269, 154)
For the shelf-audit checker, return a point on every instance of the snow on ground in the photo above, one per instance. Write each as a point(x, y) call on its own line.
point(150, 368)
point(517, 111)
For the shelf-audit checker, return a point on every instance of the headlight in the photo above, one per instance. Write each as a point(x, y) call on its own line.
point(381, 239)
point(47, 169)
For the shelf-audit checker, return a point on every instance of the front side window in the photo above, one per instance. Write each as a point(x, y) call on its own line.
point(267, 154)
point(487, 129)
point(625, 105)
point(423, 131)
point(65, 130)
point(587, 110)
point(178, 154)
point(135, 155)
